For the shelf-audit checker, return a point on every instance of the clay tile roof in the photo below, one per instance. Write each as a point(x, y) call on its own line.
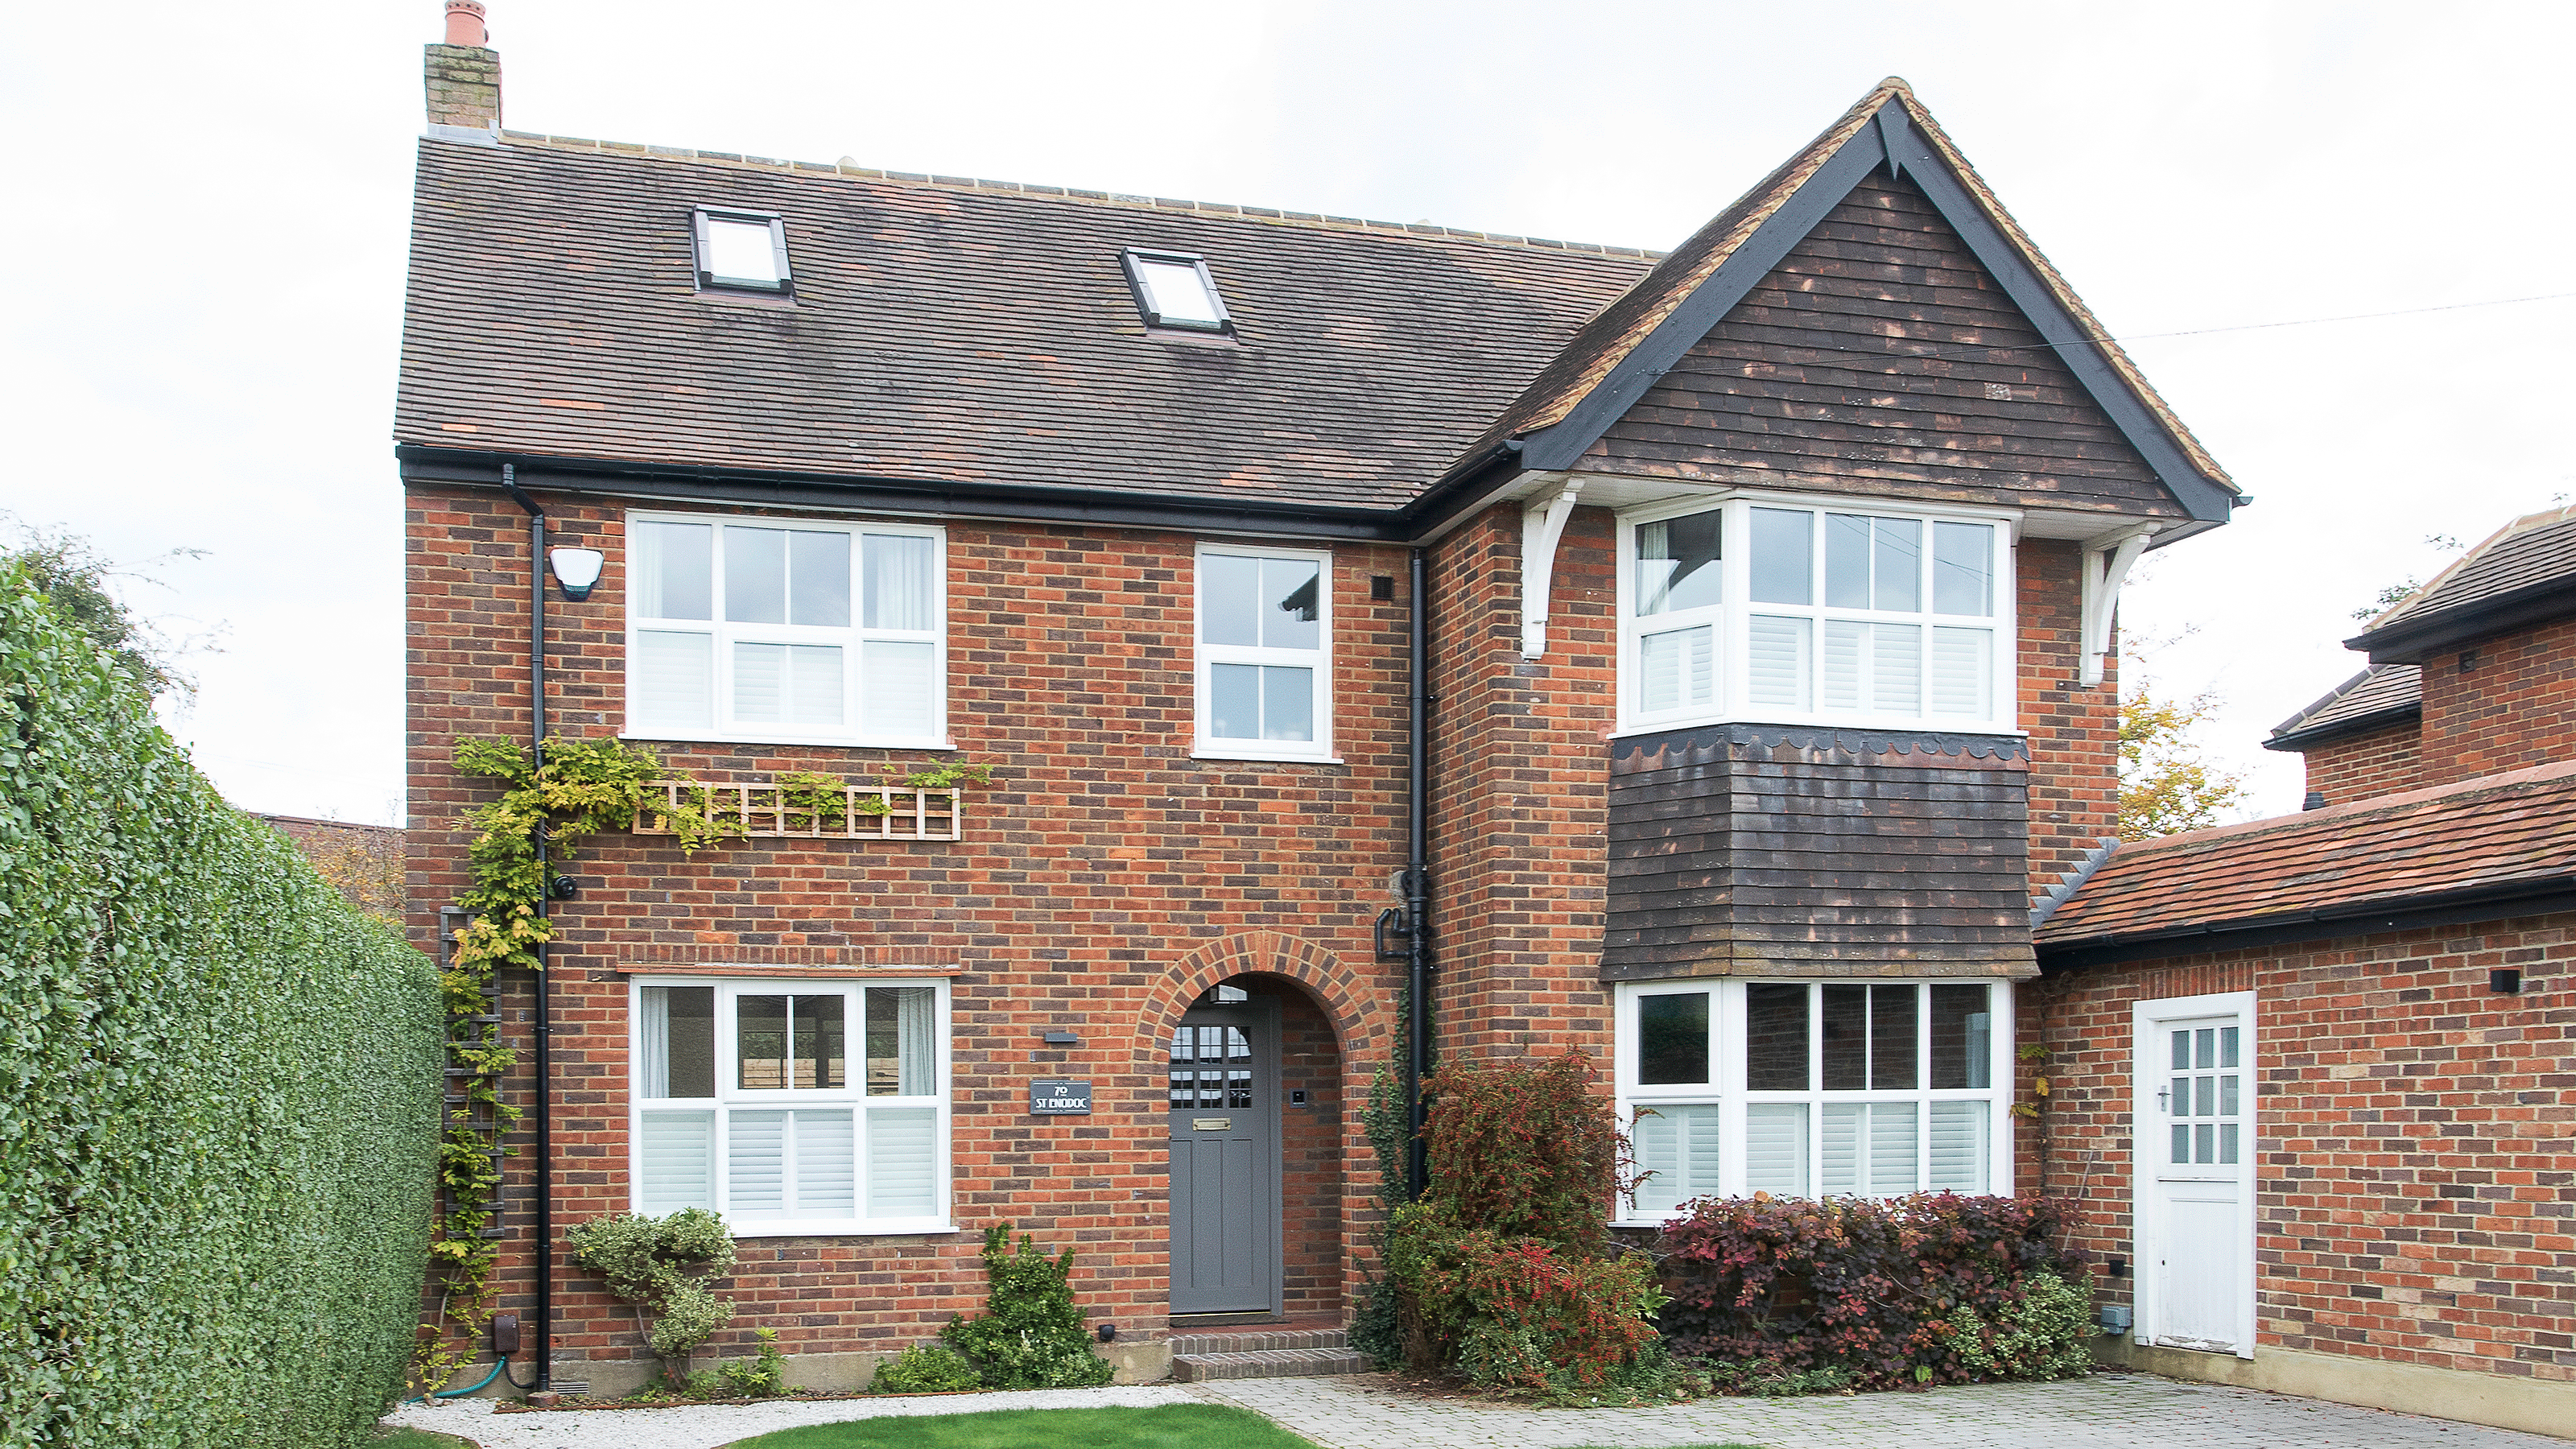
point(2534, 555)
point(2377, 697)
point(1621, 327)
point(956, 330)
point(2495, 835)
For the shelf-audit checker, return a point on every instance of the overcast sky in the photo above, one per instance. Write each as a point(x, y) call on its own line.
point(205, 269)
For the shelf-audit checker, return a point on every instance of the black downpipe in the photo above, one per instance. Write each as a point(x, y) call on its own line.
point(545, 1018)
point(1417, 882)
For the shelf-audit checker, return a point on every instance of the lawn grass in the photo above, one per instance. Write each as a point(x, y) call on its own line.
point(1165, 1426)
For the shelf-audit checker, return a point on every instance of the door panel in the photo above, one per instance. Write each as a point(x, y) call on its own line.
point(2195, 1150)
point(1224, 1134)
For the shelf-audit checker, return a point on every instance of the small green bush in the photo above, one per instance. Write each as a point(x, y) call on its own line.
point(219, 1092)
point(2045, 1334)
point(661, 1265)
point(763, 1377)
point(1030, 1336)
point(925, 1368)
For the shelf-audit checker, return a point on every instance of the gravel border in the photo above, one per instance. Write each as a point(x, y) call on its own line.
point(712, 1426)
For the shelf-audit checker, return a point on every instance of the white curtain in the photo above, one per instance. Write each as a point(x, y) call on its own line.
point(897, 572)
point(653, 1053)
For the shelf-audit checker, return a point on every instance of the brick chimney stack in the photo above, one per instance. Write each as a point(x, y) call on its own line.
point(463, 74)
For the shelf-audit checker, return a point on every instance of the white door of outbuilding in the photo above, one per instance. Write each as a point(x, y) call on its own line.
point(2195, 1173)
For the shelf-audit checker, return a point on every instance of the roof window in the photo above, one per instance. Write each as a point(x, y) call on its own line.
point(1173, 289)
point(742, 251)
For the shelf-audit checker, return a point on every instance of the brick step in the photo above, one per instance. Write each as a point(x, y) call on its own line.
point(1269, 1363)
point(1258, 1340)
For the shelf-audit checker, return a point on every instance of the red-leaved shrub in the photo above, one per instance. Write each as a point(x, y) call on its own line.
point(1518, 1314)
point(1851, 1283)
point(1524, 1149)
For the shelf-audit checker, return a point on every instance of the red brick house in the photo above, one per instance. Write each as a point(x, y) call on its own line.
point(2342, 1042)
point(1692, 658)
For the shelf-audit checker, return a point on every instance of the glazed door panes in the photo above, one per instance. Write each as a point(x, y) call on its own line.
point(2198, 1139)
point(2205, 1102)
point(1225, 1162)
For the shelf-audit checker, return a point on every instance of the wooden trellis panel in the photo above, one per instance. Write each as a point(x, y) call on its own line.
point(764, 814)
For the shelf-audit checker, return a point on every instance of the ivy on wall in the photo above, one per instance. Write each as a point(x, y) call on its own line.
point(218, 1092)
point(583, 787)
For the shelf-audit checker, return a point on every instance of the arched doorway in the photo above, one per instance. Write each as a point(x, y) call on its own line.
point(1256, 1126)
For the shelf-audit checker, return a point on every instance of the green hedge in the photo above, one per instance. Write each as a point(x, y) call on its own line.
point(219, 1093)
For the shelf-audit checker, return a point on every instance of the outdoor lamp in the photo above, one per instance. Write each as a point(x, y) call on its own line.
point(576, 569)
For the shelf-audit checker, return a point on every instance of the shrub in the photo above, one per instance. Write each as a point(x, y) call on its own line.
point(1521, 1315)
point(219, 1092)
point(762, 1377)
point(925, 1368)
point(658, 1265)
point(2045, 1334)
point(1525, 1150)
point(1030, 1336)
point(1872, 1289)
point(1377, 1323)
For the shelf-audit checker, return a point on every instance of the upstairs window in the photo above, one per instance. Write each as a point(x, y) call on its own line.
point(1175, 289)
point(742, 251)
point(1264, 667)
point(1782, 613)
point(785, 630)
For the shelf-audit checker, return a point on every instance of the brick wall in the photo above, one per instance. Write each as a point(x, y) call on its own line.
point(2074, 732)
point(2514, 708)
point(2358, 767)
point(2415, 1136)
point(1106, 879)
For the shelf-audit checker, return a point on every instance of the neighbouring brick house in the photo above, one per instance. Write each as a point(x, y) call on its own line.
point(2345, 1039)
point(1755, 600)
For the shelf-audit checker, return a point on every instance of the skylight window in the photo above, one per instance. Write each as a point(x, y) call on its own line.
point(1174, 289)
point(742, 251)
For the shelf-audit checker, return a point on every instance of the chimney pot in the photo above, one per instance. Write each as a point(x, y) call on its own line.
point(465, 24)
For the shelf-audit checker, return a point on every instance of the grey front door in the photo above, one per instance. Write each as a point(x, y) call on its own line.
point(1225, 1160)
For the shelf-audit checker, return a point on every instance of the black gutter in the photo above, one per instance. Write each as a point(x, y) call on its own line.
point(1417, 880)
point(1458, 490)
point(2361, 724)
point(2405, 913)
point(2412, 641)
point(545, 1019)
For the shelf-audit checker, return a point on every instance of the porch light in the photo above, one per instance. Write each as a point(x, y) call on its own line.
point(576, 569)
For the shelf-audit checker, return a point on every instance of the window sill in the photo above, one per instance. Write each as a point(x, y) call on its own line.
point(840, 1228)
point(829, 742)
point(1206, 751)
point(1811, 722)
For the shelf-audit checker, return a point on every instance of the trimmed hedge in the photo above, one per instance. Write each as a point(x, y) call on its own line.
point(219, 1093)
point(1933, 1288)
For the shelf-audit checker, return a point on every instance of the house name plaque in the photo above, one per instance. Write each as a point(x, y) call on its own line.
point(1057, 1097)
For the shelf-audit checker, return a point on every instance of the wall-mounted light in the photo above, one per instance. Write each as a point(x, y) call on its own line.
point(576, 569)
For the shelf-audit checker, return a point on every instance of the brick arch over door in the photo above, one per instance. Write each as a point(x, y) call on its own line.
point(1344, 995)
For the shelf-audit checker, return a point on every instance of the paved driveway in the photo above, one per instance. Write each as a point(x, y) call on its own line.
point(2106, 1411)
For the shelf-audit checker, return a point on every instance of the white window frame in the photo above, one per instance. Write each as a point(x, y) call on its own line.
point(729, 1098)
point(1320, 659)
point(1726, 1088)
point(1133, 261)
point(702, 252)
point(722, 728)
point(1733, 703)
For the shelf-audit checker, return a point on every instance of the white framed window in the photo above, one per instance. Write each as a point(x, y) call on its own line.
point(1175, 289)
point(790, 631)
point(793, 1106)
point(1265, 679)
point(740, 251)
point(1793, 611)
point(1868, 1088)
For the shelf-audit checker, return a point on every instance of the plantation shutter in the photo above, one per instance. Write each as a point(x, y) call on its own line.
point(674, 681)
point(1892, 1129)
point(1775, 1148)
point(902, 1157)
point(1840, 1149)
point(1963, 672)
point(1959, 1147)
point(897, 687)
point(756, 1163)
point(1678, 1144)
point(826, 1163)
point(675, 1162)
point(1680, 669)
point(1776, 661)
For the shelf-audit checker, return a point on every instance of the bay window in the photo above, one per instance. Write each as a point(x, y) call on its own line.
point(748, 1100)
point(1264, 660)
point(1787, 612)
point(1814, 1089)
point(781, 630)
